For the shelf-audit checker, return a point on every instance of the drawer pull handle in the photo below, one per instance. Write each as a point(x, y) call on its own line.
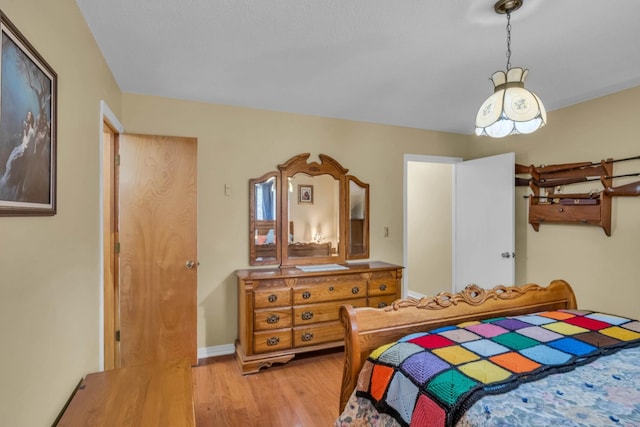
point(331, 288)
point(355, 290)
point(306, 295)
point(273, 298)
point(382, 305)
point(307, 336)
point(307, 315)
point(274, 318)
point(383, 287)
point(273, 341)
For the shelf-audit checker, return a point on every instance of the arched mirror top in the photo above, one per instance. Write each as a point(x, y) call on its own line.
point(316, 221)
point(300, 164)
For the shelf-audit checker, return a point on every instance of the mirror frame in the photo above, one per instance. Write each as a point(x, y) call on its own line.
point(365, 224)
point(327, 166)
point(300, 164)
point(253, 222)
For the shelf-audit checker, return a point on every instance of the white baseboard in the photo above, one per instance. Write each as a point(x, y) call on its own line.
point(416, 295)
point(218, 350)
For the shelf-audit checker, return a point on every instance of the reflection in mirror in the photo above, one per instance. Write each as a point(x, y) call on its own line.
point(263, 224)
point(314, 216)
point(358, 233)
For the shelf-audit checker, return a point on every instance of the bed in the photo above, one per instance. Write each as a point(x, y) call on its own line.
point(387, 381)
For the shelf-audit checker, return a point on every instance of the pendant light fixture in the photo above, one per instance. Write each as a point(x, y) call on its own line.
point(511, 109)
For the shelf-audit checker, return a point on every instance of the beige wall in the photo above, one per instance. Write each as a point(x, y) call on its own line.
point(49, 288)
point(429, 234)
point(236, 144)
point(603, 270)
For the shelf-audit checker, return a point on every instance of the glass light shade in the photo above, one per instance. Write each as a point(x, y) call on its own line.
point(511, 109)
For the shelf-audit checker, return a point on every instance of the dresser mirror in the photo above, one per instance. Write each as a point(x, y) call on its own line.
point(358, 225)
point(264, 247)
point(308, 213)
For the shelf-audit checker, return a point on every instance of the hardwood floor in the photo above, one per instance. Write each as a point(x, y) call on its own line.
point(303, 393)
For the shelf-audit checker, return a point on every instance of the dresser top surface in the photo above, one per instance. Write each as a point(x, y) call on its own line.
point(348, 268)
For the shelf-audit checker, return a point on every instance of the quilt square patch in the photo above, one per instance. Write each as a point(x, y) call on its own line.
point(401, 396)
point(485, 372)
point(565, 328)
point(515, 362)
point(428, 413)
point(557, 315)
point(432, 341)
point(456, 355)
point(546, 355)
point(614, 320)
point(422, 366)
point(379, 380)
point(535, 319)
point(448, 386)
point(460, 335)
point(572, 346)
point(540, 334)
point(587, 323)
point(512, 324)
point(515, 341)
point(485, 347)
point(620, 333)
point(487, 330)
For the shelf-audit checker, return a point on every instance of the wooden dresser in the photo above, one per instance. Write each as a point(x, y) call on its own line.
point(285, 311)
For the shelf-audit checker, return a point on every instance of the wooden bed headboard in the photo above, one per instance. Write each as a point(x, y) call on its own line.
point(368, 328)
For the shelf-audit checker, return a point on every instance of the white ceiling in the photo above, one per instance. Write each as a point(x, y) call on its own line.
point(417, 63)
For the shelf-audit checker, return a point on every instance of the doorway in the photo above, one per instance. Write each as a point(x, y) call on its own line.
point(428, 243)
point(149, 247)
point(458, 223)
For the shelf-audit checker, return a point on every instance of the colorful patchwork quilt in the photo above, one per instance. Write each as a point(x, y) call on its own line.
point(431, 378)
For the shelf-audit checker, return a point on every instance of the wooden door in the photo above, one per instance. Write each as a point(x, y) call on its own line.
point(484, 244)
point(157, 239)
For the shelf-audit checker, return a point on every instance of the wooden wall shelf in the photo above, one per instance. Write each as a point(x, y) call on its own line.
point(548, 206)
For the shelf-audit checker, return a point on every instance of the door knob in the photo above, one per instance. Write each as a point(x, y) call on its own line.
point(190, 264)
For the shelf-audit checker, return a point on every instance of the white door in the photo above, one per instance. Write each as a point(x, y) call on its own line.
point(484, 242)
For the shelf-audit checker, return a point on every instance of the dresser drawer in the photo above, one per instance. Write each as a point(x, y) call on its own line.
point(268, 341)
point(322, 312)
point(329, 290)
point(271, 319)
point(317, 334)
point(383, 283)
point(274, 297)
point(382, 301)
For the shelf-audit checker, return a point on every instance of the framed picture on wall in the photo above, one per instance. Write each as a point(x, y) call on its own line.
point(305, 194)
point(28, 95)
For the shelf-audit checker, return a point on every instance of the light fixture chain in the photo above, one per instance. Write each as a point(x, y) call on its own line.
point(508, 40)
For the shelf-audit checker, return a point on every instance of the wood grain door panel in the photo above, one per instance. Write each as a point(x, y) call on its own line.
point(157, 235)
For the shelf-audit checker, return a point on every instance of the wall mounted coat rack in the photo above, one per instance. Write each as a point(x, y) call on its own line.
point(549, 204)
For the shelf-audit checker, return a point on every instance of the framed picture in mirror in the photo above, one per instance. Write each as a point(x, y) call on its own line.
point(305, 194)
